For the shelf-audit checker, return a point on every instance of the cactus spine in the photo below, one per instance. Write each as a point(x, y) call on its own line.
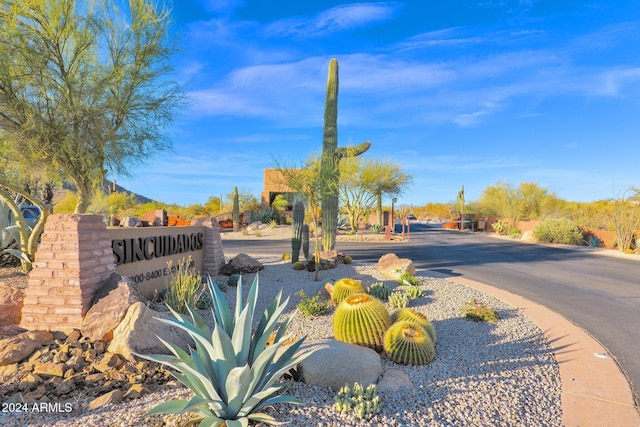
point(331, 156)
point(236, 210)
point(409, 344)
point(296, 230)
point(345, 287)
point(410, 315)
point(361, 319)
point(305, 241)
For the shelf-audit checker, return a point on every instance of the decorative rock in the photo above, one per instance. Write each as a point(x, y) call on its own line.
point(138, 332)
point(130, 221)
point(19, 347)
point(110, 305)
point(109, 398)
point(241, 264)
point(332, 364)
point(135, 391)
point(107, 362)
point(11, 300)
point(393, 267)
point(254, 226)
point(393, 380)
point(49, 369)
point(328, 260)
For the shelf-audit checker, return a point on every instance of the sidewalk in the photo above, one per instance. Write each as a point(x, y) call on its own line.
point(595, 392)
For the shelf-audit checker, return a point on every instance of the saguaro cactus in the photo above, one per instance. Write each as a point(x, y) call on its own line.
point(296, 230)
point(331, 155)
point(236, 210)
point(305, 241)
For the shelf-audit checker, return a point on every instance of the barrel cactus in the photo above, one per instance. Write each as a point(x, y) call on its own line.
point(296, 230)
point(345, 287)
point(361, 319)
point(409, 344)
point(410, 315)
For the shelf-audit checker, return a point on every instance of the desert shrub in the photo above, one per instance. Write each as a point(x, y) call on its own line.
point(273, 224)
point(266, 215)
point(594, 241)
point(185, 288)
point(376, 229)
point(560, 230)
point(407, 279)
point(501, 227)
point(313, 306)
point(479, 312)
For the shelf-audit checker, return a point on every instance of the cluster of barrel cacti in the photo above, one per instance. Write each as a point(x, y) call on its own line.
point(407, 337)
point(364, 402)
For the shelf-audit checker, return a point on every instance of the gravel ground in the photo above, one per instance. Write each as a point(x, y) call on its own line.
point(484, 374)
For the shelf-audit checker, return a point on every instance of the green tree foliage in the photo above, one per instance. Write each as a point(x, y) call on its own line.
point(308, 182)
point(385, 178)
point(626, 219)
point(355, 197)
point(527, 201)
point(280, 203)
point(83, 86)
point(247, 201)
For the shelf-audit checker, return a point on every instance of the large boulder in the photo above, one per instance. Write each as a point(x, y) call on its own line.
point(332, 364)
point(111, 302)
point(19, 347)
point(393, 267)
point(11, 301)
point(393, 380)
point(139, 331)
point(241, 264)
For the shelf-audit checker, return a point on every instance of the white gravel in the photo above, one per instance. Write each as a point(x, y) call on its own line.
point(484, 374)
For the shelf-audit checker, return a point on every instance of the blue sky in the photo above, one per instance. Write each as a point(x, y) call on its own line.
point(456, 92)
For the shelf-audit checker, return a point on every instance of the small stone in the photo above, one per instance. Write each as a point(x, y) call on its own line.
point(109, 398)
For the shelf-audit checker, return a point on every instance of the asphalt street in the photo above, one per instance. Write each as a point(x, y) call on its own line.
point(600, 294)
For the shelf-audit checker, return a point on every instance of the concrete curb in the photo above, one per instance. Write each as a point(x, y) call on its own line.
point(595, 391)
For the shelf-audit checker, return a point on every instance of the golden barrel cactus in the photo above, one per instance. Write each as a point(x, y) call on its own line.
point(345, 287)
point(361, 319)
point(410, 315)
point(409, 344)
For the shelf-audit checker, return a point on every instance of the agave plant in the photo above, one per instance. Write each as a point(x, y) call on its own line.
point(232, 370)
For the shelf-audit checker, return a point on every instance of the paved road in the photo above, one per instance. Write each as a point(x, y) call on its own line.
point(600, 294)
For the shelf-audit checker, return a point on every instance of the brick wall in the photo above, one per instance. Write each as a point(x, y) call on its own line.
point(73, 258)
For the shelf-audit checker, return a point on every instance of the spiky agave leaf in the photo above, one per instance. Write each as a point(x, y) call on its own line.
point(231, 371)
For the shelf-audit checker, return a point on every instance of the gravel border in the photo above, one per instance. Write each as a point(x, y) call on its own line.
point(500, 374)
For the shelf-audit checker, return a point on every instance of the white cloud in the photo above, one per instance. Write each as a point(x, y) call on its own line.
point(338, 19)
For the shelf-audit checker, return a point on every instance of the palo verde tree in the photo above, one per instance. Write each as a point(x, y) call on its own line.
point(84, 86)
point(356, 199)
point(385, 178)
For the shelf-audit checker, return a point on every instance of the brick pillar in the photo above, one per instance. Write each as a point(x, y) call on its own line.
point(73, 258)
point(213, 257)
